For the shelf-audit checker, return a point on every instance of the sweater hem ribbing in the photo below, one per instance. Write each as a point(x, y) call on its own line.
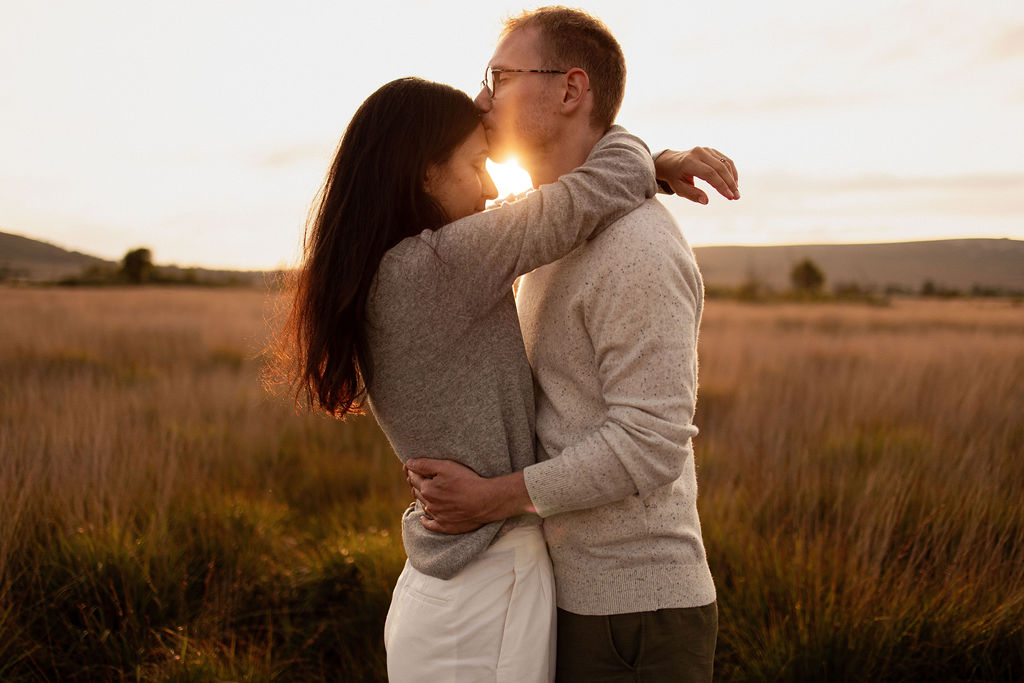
point(584, 591)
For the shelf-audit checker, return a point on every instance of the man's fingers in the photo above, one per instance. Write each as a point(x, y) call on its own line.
point(415, 480)
point(431, 524)
point(442, 528)
point(425, 467)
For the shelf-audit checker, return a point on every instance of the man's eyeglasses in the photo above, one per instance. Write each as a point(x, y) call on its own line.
point(490, 84)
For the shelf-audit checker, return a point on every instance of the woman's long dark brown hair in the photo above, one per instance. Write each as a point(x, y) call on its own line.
point(372, 198)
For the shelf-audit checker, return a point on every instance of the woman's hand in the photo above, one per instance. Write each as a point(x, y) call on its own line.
point(679, 169)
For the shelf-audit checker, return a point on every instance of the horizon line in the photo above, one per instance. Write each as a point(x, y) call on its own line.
point(730, 245)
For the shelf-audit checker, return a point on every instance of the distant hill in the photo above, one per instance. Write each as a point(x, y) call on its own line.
point(30, 260)
point(949, 264)
point(34, 260)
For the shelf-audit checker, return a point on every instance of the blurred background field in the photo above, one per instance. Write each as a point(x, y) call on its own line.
point(163, 518)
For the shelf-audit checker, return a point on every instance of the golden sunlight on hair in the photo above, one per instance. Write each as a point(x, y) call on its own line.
point(509, 178)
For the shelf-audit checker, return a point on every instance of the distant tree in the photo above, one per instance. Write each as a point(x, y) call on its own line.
point(894, 289)
point(94, 275)
point(807, 277)
point(137, 265)
point(986, 291)
point(930, 288)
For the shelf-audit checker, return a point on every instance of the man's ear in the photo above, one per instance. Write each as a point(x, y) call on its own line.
point(576, 88)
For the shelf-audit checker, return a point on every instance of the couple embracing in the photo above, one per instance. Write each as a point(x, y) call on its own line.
point(554, 420)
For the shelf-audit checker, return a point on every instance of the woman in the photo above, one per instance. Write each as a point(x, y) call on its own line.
point(405, 298)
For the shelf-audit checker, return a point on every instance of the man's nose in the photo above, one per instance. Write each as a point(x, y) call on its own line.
point(483, 100)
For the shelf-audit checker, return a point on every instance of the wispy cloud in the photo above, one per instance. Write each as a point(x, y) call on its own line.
point(297, 154)
point(990, 196)
point(892, 183)
point(1009, 44)
point(789, 102)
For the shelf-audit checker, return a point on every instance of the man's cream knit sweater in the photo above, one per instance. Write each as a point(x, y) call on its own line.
point(611, 334)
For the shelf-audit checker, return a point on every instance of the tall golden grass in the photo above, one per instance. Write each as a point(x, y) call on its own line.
point(163, 518)
point(861, 474)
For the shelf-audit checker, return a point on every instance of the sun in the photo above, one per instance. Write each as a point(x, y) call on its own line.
point(509, 178)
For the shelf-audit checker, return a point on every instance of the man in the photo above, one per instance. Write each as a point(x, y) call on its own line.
point(611, 334)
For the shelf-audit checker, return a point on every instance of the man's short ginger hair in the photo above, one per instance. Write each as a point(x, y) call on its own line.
point(571, 38)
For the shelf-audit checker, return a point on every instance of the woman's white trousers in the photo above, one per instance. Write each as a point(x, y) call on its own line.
point(493, 621)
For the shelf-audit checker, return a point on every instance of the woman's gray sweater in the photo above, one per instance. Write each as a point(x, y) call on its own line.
point(450, 374)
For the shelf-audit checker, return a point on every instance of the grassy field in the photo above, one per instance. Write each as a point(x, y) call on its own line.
point(162, 518)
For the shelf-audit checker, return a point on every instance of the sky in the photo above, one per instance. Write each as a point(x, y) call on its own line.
point(202, 129)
